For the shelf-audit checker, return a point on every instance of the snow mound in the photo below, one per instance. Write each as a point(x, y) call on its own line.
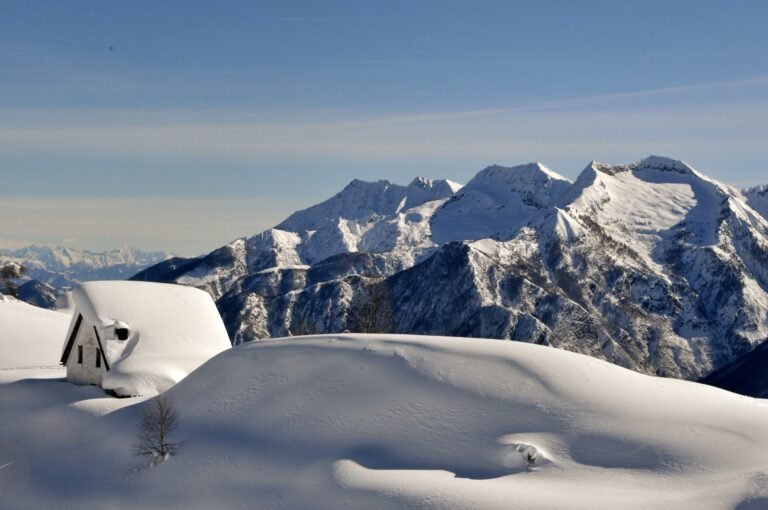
point(392, 422)
point(173, 330)
point(469, 423)
point(30, 336)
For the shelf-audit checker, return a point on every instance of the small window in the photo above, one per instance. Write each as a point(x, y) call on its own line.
point(98, 358)
point(121, 333)
point(80, 354)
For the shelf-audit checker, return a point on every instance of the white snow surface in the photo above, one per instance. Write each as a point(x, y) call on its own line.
point(641, 204)
point(30, 336)
point(372, 217)
point(497, 200)
point(393, 422)
point(173, 330)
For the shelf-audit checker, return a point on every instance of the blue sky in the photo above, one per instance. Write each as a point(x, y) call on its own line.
point(182, 125)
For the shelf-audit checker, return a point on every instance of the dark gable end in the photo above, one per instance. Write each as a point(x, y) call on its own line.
point(71, 340)
point(101, 349)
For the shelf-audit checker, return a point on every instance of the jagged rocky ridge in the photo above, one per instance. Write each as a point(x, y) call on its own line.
point(652, 265)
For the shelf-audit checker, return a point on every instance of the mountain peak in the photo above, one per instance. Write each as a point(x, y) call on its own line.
point(520, 172)
point(360, 200)
point(757, 198)
point(759, 190)
point(498, 200)
point(430, 189)
point(361, 184)
point(664, 163)
point(534, 180)
point(650, 163)
point(421, 182)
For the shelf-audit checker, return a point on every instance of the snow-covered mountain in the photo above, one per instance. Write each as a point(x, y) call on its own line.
point(757, 198)
point(651, 265)
point(498, 200)
point(60, 266)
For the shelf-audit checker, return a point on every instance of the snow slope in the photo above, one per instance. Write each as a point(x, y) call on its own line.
point(498, 200)
point(393, 422)
point(30, 336)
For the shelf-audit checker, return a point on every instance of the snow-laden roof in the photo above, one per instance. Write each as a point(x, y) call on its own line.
point(173, 330)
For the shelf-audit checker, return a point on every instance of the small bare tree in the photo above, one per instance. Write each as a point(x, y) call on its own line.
point(158, 422)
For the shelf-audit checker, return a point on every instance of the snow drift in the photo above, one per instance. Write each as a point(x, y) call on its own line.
point(392, 422)
point(30, 336)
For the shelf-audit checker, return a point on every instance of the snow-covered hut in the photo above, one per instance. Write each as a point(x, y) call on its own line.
point(140, 338)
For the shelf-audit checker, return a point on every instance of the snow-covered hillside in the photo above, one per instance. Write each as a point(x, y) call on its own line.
point(59, 266)
point(393, 422)
point(30, 336)
point(651, 265)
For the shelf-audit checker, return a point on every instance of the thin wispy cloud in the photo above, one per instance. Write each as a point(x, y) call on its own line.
point(553, 124)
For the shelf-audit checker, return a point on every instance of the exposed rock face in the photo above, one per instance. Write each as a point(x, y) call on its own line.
point(38, 293)
point(652, 265)
point(745, 375)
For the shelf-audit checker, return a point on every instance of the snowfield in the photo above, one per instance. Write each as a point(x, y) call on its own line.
point(391, 422)
point(30, 336)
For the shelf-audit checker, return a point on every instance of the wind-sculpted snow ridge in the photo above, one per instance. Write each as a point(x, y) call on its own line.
point(463, 423)
point(650, 265)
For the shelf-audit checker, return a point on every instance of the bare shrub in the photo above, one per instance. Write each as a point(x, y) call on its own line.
point(158, 421)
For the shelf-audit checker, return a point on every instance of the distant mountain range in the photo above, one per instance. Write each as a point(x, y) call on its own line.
point(651, 265)
point(51, 268)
